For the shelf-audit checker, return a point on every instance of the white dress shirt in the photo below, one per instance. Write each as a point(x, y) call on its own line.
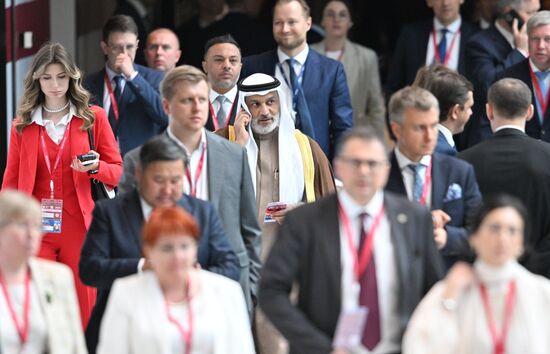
point(386, 270)
point(231, 95)
point(408, 175)
point(111, 75)
point(284, 76)
point(54, 131)
point(447, 134)
point(453, 30)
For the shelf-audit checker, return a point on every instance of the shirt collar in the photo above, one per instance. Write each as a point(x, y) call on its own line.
point(534, 67)
point(447, 134)
point(36, 116)
point(452, 27)
point(110, 73)
point(507, 35)
point(353, 209)
point(146, 208)
point(300, 57)
point(177, 141)
point(230, 95)
point(509, 126)
point(404, 161)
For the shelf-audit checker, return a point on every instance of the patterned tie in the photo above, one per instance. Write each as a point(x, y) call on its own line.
point(299, 103)
point(368, 295)
point(418, 184)
point(117, 90)
point(221, 115)
point(442, 46)
point(541, 78)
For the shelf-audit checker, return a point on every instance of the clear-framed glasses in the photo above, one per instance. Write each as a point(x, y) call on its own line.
point(374, 165)
point(120, 48)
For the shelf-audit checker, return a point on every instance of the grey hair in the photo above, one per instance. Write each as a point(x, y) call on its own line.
point(410, 97)
point(15, 204)
point(541, 18)
point(503, 4)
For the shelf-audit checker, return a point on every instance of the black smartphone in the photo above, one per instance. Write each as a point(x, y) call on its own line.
point(510, 16)
point(85, 158)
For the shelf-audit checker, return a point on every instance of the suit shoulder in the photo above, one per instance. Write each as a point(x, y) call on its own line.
point(233, 148)
point(468, 29)
point(453, 162)
point(311, 210)
point(394, 199)
point(517, 70)
point(149, 73)
point(257, 58)
point(54, 269)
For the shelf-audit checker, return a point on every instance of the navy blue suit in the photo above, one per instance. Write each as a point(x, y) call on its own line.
point(410, 52)
point(112, 248)
point(443, 146)
point(141, 115)
point(533, 127)
point(487, 54)
point(326, 92)
point(447, 173)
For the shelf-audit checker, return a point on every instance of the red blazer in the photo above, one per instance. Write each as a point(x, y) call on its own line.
point(23, 154)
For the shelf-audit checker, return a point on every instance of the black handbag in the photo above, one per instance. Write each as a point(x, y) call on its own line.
point(99, 189)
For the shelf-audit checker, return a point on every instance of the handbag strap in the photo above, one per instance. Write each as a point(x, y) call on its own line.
point(91, 138)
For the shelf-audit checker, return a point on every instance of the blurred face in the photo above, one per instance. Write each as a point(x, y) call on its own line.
point(118, 43)
point(363, 168)
point(20, 239)
point(499, 238)
point(336, 19)
point(265, 112)
point(222, 65)
point(417, 135)
point(530, 7)
point(290, 26)
point(539, 46)
point(487, 9)
point(188, 108)
point(54, 83)
point(162, 51)
point(446, 11)
point(172, 257)
point(465, 112)
point(161, 183)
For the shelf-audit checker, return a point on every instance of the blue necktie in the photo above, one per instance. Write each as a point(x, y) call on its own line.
point(299, 103)
point(221, 115)
point(541, 78)
point(418, 184)
point(442, 46)
point(117, 91)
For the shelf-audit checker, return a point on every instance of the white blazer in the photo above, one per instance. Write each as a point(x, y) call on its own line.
point(136, 321)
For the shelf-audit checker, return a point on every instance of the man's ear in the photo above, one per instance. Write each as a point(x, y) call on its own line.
point(530, 113)
point(453, 112)
point(489, 111)
point(396, 129)
point(166, 106)
point(104, 47)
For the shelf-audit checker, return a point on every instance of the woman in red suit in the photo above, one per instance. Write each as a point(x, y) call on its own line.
point(51, 130)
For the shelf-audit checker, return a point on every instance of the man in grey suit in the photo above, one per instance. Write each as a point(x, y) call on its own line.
point(317, 248)
point(218, 169)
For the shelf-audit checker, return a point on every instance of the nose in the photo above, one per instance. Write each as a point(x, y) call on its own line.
point(285, 27)
point(264, 110)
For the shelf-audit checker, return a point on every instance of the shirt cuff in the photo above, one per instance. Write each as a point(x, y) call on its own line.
point(133, 76)
point(141, 263)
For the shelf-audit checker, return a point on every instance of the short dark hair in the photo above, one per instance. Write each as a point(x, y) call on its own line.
point(303, 3)
point(365, 134)
point(510, 98)
point(119, 23)
point(226, 38)
point(448, 86)
point(496, 201)
point(161, 148)
point(346, 3)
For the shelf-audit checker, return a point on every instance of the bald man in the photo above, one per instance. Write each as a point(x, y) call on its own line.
point(162, 50)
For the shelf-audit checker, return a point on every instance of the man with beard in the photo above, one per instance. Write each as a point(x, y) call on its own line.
point(265, 127)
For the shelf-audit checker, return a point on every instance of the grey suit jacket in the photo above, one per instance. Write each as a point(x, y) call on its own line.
point(230, 190)
point(361, 68)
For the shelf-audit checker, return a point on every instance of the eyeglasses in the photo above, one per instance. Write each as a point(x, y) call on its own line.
point(120, 48)
point(496, 229)
point(357, 163)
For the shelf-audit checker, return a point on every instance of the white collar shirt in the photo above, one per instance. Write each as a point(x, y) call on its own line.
point(447, 134)
point(408, 175)
point(452, 34)
point(54, 131)
point(231, 96)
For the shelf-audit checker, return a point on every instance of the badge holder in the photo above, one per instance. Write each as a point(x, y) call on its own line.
point(52, 211)
point(350, 328)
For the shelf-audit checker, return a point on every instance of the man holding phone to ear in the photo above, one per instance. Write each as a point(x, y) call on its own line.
point(489, 53)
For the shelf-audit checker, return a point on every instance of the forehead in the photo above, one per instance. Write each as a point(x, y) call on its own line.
point(261, 98)
point(415, 116)
point(184, 88)
point(122, 37)
point(543, 30)
point(291, 9)
point(364, 149)
point(162, 37)
point(164, 168)
point(54, 68)
point(336, 6)
point(224, 49)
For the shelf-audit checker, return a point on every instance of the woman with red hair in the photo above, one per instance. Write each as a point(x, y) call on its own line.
point(175, 307)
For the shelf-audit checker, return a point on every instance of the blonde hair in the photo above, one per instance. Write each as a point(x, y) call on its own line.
point(33, 97)
point(15, 204)
point(183, 73)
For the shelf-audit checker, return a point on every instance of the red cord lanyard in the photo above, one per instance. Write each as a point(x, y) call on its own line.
point(114, 103)
point(22, 328)
point(57, 158)
point(449, 50)
point(360, 264)
point(186, 335)
point(215, 119)
point(542, 101)
point(427, 184)
point(198, 173)
point(499, 341)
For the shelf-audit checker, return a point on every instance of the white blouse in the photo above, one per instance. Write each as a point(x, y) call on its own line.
point(465, 330)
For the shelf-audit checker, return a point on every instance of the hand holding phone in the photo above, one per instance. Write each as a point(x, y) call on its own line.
point(511, 15)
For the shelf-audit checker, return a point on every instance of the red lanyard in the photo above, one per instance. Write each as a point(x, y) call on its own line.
point(542, 101)
point(57, 158)
point(215, 119)
point(449, 50)
point(499, 341)
point(360, 264)
point(198, 173)
point(22, 328)
point(427, 184)
point(186, 335)
point(114, 103)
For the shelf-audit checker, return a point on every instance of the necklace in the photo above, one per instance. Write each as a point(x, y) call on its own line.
point(56, 110)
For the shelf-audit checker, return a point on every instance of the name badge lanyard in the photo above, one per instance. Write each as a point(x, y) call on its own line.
point(193, 184)
point(427, 184)
point(215, 118)
point(186, 335)
point(114, 103)
point(362, 257)
point(22, 328)
point(499, 339)
point(542, 101)
point(445, 60)
point(299, 79)
point(57, 158)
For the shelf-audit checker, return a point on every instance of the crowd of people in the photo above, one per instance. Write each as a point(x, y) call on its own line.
point(259, 207)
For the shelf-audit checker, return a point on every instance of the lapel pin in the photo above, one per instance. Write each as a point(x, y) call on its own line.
point(48, 298)
point(402, 218)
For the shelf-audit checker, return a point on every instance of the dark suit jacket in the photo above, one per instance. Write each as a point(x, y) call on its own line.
point(141, 113)
point(112, 248)
point(511, 162)
point(410, 52)
point(447, 171)
point(307, 251)
point(326, 92)
point(234, 110)
point(443, 146)
point(487, 54)
point(533, 128)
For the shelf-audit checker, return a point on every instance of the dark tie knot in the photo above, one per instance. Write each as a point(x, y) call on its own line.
point(221, 99)
point(363, 216)
point(118, 79)
point(444, 31)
